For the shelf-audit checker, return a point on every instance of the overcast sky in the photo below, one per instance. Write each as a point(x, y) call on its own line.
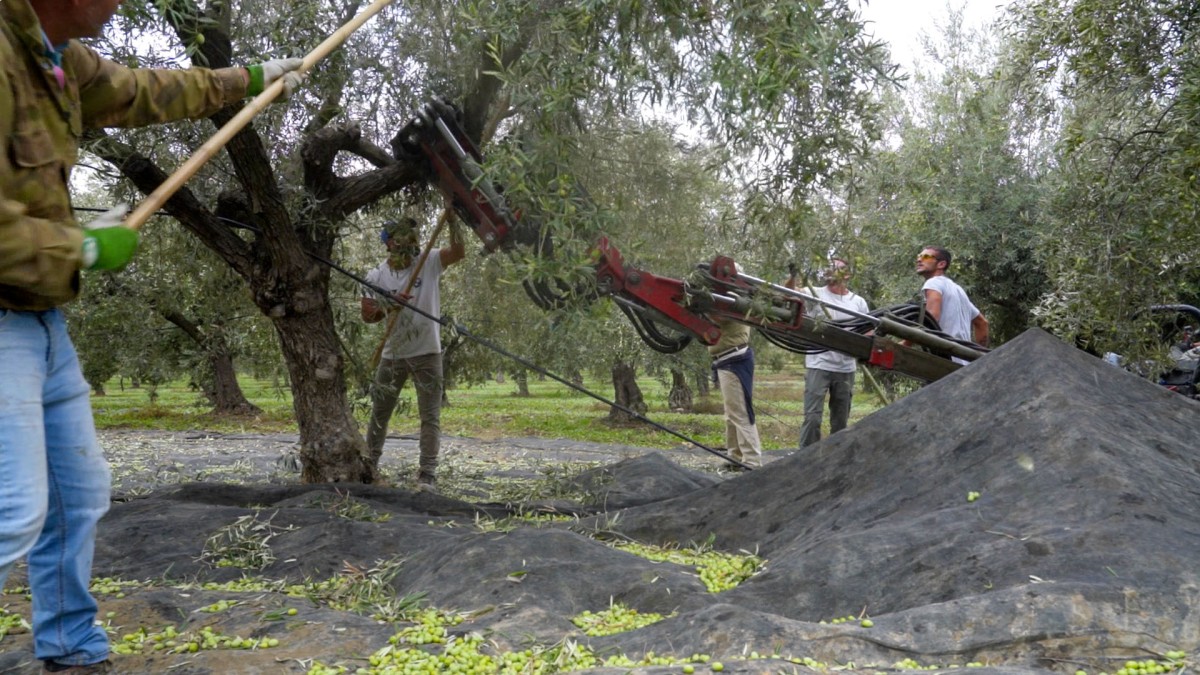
point(900, 22)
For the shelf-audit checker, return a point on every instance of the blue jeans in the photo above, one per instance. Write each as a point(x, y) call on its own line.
point(55, 483)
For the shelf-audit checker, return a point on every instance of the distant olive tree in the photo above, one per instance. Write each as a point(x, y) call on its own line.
point(963, 170)
point(1124, 206)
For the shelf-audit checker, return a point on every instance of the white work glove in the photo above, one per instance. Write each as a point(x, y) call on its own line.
point(264, 74)
point(291, 82)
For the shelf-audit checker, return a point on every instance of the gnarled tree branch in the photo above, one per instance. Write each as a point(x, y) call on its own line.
point(183, 205)
point(340, 196)
point(246, 151)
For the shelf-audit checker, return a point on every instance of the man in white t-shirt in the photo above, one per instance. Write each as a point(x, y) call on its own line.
point(414, 346)
point(947, 302)
point(829, 372)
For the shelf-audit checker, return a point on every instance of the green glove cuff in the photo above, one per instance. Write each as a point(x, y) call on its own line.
point(109, 248)
point(256, 85)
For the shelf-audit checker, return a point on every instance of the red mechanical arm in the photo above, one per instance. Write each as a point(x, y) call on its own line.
point(690, 309)
point(664, 295)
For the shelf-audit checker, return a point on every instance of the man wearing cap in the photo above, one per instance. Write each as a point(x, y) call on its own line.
point(414, 345)
point(54, 480)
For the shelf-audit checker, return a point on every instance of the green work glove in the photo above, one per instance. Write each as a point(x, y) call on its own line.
point(264, 74)
point(107, 243)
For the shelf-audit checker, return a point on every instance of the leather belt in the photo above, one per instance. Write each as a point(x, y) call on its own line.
point(727, 352)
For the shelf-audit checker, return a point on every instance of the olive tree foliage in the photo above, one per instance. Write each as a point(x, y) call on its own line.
point(119, 339)
point(1122, 214)
point(174, 311)
point(672, 213)
point(961, 169)
point(113, 335)
point(138, 350)
point(783, 93)
point(665, 211)
point(784, 86)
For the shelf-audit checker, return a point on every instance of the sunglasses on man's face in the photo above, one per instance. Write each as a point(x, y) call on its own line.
point(926, 256)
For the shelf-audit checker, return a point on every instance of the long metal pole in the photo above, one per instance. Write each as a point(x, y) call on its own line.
point(226, 133)
point(804, 296)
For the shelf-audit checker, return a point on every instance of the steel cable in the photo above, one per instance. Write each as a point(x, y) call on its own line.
point(465, 332)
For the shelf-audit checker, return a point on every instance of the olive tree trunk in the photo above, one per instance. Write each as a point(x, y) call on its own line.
point(332, 450)
point(521, 377)
point(680, 397)
point(223, 390)
point(626, 394)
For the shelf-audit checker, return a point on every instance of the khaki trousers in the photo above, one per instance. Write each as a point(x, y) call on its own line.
point(426, 372)
point(741, 435)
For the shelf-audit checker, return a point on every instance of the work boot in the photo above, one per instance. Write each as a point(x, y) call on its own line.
point(426, 481)
point(104, 666)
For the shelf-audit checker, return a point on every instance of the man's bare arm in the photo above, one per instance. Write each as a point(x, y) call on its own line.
point(933, 304)
point(979, 330)
point(457, 249)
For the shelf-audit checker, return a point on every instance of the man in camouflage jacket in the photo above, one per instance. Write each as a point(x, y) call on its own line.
point(54, 480)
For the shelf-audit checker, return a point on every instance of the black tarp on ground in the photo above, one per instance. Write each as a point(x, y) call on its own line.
point(1082, 548)
point(1086, 534)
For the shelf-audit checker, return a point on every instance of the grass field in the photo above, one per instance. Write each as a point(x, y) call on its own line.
point(490, 411)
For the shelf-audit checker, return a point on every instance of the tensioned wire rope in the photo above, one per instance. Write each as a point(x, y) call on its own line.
point(465, 332)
